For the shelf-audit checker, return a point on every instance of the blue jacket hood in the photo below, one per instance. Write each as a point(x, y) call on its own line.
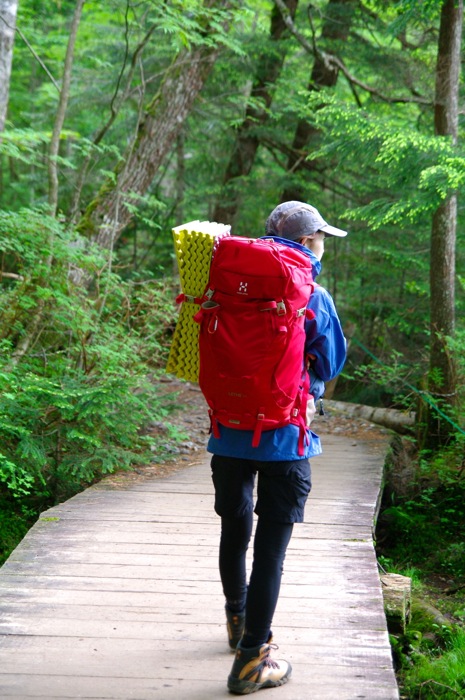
point(316, 264)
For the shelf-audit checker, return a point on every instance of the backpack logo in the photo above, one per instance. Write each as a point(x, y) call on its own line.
point(243, 288)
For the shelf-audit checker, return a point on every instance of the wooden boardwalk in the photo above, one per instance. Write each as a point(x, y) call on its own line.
point(115, 594)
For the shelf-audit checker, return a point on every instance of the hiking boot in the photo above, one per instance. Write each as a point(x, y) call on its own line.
point(253, 669)
point(235, 623)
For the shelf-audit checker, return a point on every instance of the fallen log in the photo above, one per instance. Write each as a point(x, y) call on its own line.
point(391, 418)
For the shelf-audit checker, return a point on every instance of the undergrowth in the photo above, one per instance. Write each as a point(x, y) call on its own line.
point(440, 674)
point(421, 534)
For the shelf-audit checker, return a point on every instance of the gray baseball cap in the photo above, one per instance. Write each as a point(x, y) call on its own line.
point(294, 220)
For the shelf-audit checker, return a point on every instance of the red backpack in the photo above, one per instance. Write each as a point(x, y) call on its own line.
point(252, 368)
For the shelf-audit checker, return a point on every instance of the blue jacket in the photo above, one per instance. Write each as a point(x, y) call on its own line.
point(327, 346)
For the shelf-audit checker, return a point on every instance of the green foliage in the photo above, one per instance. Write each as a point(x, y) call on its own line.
point(422, 535)
point(425, 529)
point(436, 675)
point(428, 655)
point(75, 405)
point(414, 171)
point(422, 639)
point(14, 524)
point(393, 376)
point(418, 12)
point(428, 530)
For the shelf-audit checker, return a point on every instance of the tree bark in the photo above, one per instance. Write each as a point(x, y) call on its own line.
point(247, 140)
point(107, 216)
point(8, 11)
point(336, 27)
point(442, 376)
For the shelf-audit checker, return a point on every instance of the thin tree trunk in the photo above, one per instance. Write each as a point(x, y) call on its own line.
point(8, 11)
point(247, 141)
point(180, 176)
point(36, 319)
point(61, 111)
point(442, 377)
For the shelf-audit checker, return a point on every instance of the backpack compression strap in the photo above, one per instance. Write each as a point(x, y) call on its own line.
point(188, 297)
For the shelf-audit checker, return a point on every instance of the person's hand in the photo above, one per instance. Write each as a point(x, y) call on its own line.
point(311, 410)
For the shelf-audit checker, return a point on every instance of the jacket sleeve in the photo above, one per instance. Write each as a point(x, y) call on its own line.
point(325, 342)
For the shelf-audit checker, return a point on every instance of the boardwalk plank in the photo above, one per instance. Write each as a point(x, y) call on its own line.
point(150, 608)
point(206, 558)
point(312, 586)
point(91, 688)
point(115, 594)
point(105, 542)
point(139, 625)
point(99, 661)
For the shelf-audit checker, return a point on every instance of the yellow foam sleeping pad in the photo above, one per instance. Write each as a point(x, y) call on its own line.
point(193, 244)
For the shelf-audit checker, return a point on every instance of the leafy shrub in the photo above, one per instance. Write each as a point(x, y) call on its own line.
point(78, 362)
point(428, 530)
point(442, 676)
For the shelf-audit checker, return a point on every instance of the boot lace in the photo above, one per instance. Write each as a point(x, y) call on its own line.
point(268, 661)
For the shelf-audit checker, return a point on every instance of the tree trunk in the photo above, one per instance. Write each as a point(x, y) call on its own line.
point(8, 11)
point(247, 141)
point(442, 376)
point(61, 111)
point(107, 216)
point(37, 315)
point(336, 27)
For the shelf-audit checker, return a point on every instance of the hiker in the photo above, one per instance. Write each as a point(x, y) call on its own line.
point(284, 477)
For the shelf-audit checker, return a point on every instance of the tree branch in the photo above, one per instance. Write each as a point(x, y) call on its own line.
point(332, 61)
point(114, 110)
point(288, 21)
point(36, 56)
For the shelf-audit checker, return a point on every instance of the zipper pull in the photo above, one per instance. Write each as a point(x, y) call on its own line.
point(321, 411)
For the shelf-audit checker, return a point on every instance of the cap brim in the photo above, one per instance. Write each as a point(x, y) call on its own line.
point(333, 231)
